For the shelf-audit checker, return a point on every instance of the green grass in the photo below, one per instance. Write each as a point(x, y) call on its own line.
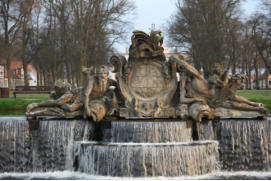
point(12, 106)
point(262, 96)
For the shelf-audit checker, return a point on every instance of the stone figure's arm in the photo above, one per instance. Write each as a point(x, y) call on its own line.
point(215, 81)
point(186, 66)
point(87, 93)
point(72, 107)
point(225, 78)
point(64, 99)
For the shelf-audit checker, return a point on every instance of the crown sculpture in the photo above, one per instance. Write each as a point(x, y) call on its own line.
point(147, 86)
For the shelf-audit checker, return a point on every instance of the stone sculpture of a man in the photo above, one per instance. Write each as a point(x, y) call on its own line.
point(99, 99)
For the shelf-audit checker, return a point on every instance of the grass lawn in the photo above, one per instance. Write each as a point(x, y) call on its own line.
point(262, 96)
point(12, 106)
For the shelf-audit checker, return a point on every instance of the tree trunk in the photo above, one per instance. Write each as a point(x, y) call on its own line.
point(44, 78)
point(234, 68)
point(256, 74)
point(266, 79)
point(38, 77)
point(23, 56)
point(249, 78)
point(10, 80)
point(68, 72)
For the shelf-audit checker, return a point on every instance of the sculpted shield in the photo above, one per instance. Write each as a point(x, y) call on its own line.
point(147, 81)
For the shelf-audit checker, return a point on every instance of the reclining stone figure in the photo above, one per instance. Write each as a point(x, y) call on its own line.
point(203, 97)
point(64, 102)
point(236, 105)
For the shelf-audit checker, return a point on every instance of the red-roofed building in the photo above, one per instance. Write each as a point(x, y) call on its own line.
point(17, 74)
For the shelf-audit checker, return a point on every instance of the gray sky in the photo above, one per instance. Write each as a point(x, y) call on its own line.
point(158, 12)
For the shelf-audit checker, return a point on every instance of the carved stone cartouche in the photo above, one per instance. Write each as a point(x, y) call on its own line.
point(146, 81)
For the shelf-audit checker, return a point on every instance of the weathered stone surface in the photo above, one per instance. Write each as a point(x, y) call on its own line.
point(147, 131)
point(146, 81)
point(99, 99)
point(223, 112)
point(147, 159)
point(215, 96)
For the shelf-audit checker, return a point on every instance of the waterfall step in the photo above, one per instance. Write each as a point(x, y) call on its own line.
point(244, 144)
point(146, 131)
point(49, 148)
point(147, 159)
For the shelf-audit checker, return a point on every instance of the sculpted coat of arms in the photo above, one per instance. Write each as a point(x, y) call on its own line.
point(146, 80)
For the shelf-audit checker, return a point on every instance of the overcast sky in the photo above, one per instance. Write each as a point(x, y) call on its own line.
point(158, 12)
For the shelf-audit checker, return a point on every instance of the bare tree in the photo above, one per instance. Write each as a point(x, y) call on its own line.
point(11, 22)
point(69, 34)
point(26, 7)
point(76, 33)
point(202, 27)
point(261, 37)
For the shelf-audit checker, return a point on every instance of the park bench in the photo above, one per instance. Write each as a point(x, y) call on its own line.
point(31, 90)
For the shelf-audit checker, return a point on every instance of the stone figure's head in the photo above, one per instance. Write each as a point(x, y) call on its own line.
point(61, 87)
point(103, 72)
point(218, 69)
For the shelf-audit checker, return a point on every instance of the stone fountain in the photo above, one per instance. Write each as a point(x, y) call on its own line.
point(146, 123)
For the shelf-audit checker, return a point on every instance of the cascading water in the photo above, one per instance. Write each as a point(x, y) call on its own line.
point(244, 144)
point(15, 145)
point(147, 132)
point(147, 159)
point(160, 148)
point(49, 148)
point(147, 148)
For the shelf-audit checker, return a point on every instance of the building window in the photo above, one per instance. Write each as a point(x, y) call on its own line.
point(2, 71)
